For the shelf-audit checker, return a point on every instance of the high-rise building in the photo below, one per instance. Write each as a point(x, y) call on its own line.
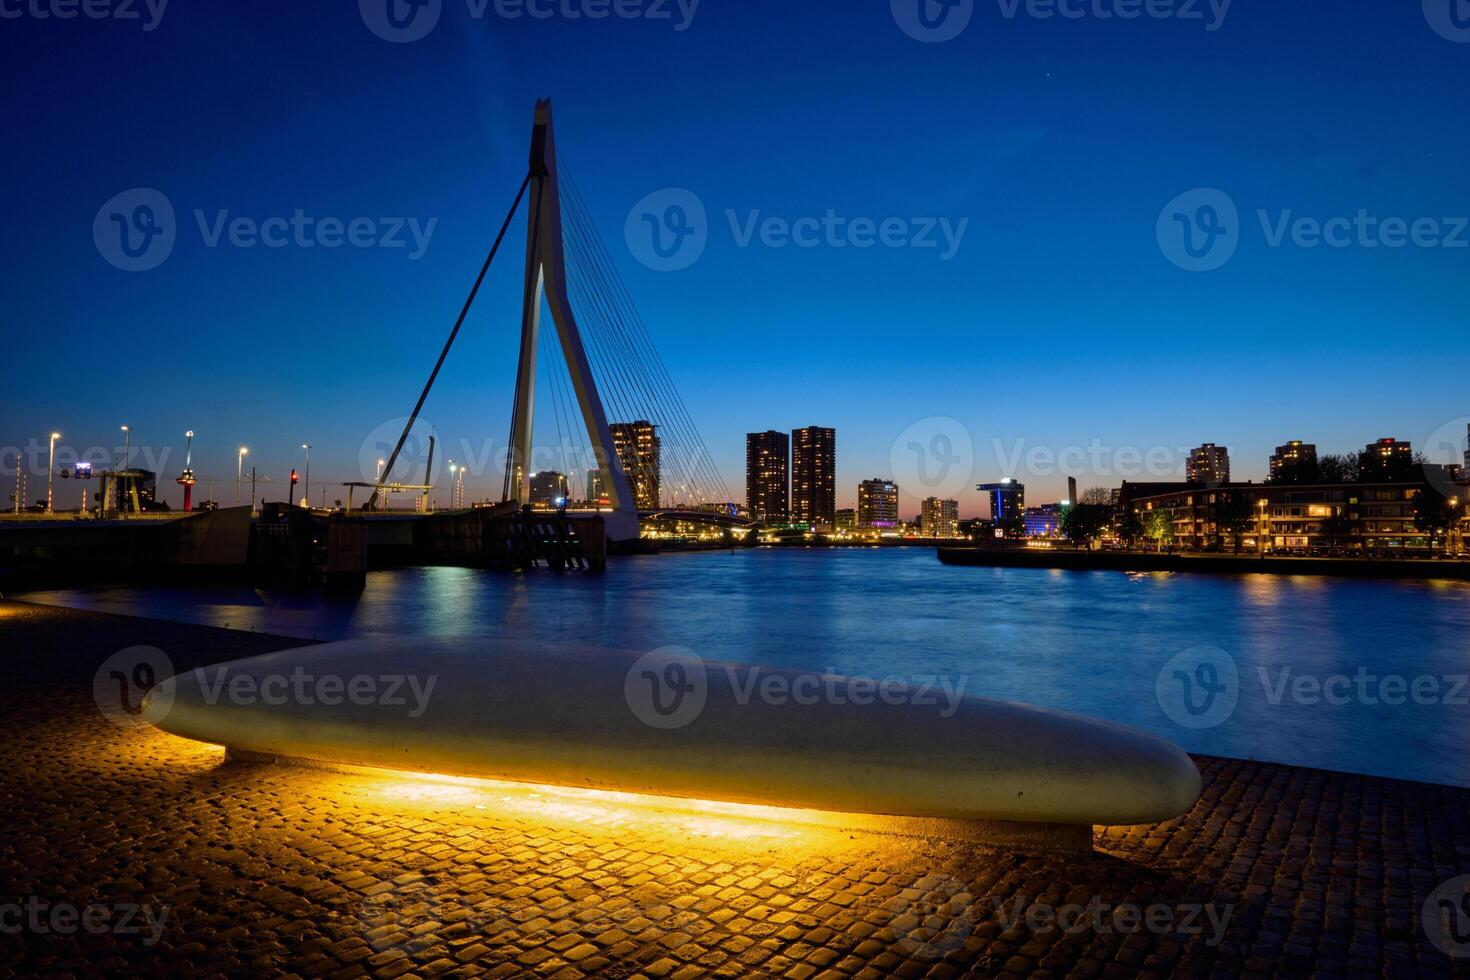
point(939, 518)
point(637, 446)
point(767, 476)
point(814, 477)
point(877, 504)
point(595, 490)
point(1467, 448)
point(1295, 462)
point(548, 489)
point(1007, 501)
point(1386, 459)
point(1209, 464)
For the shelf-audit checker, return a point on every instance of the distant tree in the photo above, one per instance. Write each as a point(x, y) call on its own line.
point(1434, 514)
point(1301, 471)
point(1085, 523)
point(1130, 527)
point(1336, 530)
point(1158, 527)
point(1235, 514)
point(1338, 468)
point(1101, 496)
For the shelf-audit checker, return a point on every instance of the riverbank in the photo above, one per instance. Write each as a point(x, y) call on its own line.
point(265, 870)
point(1138, 561)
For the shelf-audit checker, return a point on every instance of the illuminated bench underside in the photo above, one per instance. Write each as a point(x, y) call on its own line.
point(526, 713)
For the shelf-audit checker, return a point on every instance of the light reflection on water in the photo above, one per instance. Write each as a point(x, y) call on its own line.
point(1091, 642)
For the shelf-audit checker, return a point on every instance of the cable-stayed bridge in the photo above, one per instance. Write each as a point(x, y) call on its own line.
point(595, 378)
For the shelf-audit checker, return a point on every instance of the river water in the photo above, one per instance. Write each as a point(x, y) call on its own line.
point(1358, 676)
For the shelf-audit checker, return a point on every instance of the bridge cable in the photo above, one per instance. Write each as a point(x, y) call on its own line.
point(677, 417)
point(630, 335)
point(464, 311)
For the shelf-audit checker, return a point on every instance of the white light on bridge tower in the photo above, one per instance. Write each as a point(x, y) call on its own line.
point(546, 277)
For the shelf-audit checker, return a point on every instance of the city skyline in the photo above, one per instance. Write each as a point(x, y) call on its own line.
point(1006, 105)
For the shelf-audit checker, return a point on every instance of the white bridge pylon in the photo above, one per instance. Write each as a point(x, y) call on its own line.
point(546, 278)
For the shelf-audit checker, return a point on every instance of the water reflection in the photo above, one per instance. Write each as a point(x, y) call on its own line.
point(1093, 642)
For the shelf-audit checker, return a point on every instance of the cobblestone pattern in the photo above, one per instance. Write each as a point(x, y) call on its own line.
point(270, 870)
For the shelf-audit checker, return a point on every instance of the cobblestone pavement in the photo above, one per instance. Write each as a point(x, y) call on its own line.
point(130, 852)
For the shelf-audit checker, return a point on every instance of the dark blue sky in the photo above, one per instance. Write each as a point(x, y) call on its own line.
point(1060, 320)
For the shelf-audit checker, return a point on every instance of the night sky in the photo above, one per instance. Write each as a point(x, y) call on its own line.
point(1059, 320)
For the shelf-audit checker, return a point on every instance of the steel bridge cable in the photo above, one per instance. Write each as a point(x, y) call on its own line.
point(464, 311)
point(620, 356)
point(675, 426)
point(678, 417)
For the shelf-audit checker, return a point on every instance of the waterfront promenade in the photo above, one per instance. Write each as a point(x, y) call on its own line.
point(261, 870)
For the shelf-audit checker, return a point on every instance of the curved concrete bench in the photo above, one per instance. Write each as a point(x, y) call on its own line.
point(679, 728)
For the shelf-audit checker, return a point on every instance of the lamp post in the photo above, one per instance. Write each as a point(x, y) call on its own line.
point(127, 454)
point(453, 468)
point(307, 474)
point(1263, 528)
point(240, 471)
point(50, 469)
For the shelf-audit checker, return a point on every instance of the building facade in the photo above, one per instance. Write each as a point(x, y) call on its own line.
point(1007, 501)
point(1295, 462)
point(596, 493)
point(1044, 521)
point(1369, 518)
point(767, 476)
point(877, 504)
point(814, 477)
point(1208, 464)
point(846, 519)
point(939, 518)
point(548, 489)
point(637, 446)
point(1387, 459)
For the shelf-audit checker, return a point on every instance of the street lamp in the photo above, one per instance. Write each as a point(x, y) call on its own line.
point(1263, 527)
point(453, 468)
point(307, 497)
point(50, 468)
point(127, 454)
point(240, 471)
